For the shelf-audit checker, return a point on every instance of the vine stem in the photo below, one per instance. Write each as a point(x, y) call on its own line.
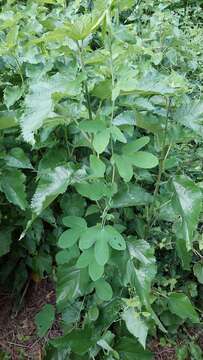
point(161, 165)
point(87, 95)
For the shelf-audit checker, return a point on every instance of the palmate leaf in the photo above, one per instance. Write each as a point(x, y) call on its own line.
point(187, 203)
point(39, 103)
point(51, 184)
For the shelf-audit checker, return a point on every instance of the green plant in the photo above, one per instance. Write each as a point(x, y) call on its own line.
point(101, 123)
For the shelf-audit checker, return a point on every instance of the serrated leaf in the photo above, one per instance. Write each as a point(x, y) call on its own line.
point(135, 325)
point(68, 238)
point(101, 140)
point(180, 305)
point(97, 166)
point(116, 240)
point(51, 184)
point(13, 186)
point(103, 290)
point(101, 247)
point(44, 319)
point(17, 158)
point(95, 270)
point(188, 203)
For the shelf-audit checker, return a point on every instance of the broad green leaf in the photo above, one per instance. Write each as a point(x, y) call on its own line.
point(5, 242)
point(13, 185)
point(131, 195)
point(68, 238)
point(117, 135)
point(95, 190)
point(180, 305)
point(135, 145)
point(125, 118)
point(135, 325)
point(44, 319)
point(129, 349)
point(144, 160)
point(79, 340)
point(116, 240)
point(97, 166)
point(7, 119)
point(103, 89)
point(18, 159)
point(190, 114)
point(198, 271)
point(124, 167)
point(75, 222)
point(85, 258)
point(101, 247)
point(101, 140)
point(195, 351)
point(103, 290)
point(89, 237)
point(187, 203)
point(72, 283)
point(95, 270)
point(12, 94)
point(51, 184)
point(184, 255)
point(39, 103)
point(92, 126)
point(65, 256)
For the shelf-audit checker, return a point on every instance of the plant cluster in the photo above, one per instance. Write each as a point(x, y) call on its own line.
point(101, 169)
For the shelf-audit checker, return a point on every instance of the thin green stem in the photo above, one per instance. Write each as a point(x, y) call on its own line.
point(87, 95)
point(162, 160)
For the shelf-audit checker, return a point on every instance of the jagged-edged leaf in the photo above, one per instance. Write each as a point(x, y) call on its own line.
point(39, 103)
point(51, 184)
point(190, 114)
point(180, 305)
point(131, 195)
point(13, 186)
point(103, 290)
point(135, 325)
point(18, 159)
point(187, 203)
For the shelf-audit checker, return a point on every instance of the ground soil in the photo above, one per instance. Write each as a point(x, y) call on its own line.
point(18, 333)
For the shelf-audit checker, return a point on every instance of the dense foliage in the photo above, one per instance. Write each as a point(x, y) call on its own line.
point(101, 169)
